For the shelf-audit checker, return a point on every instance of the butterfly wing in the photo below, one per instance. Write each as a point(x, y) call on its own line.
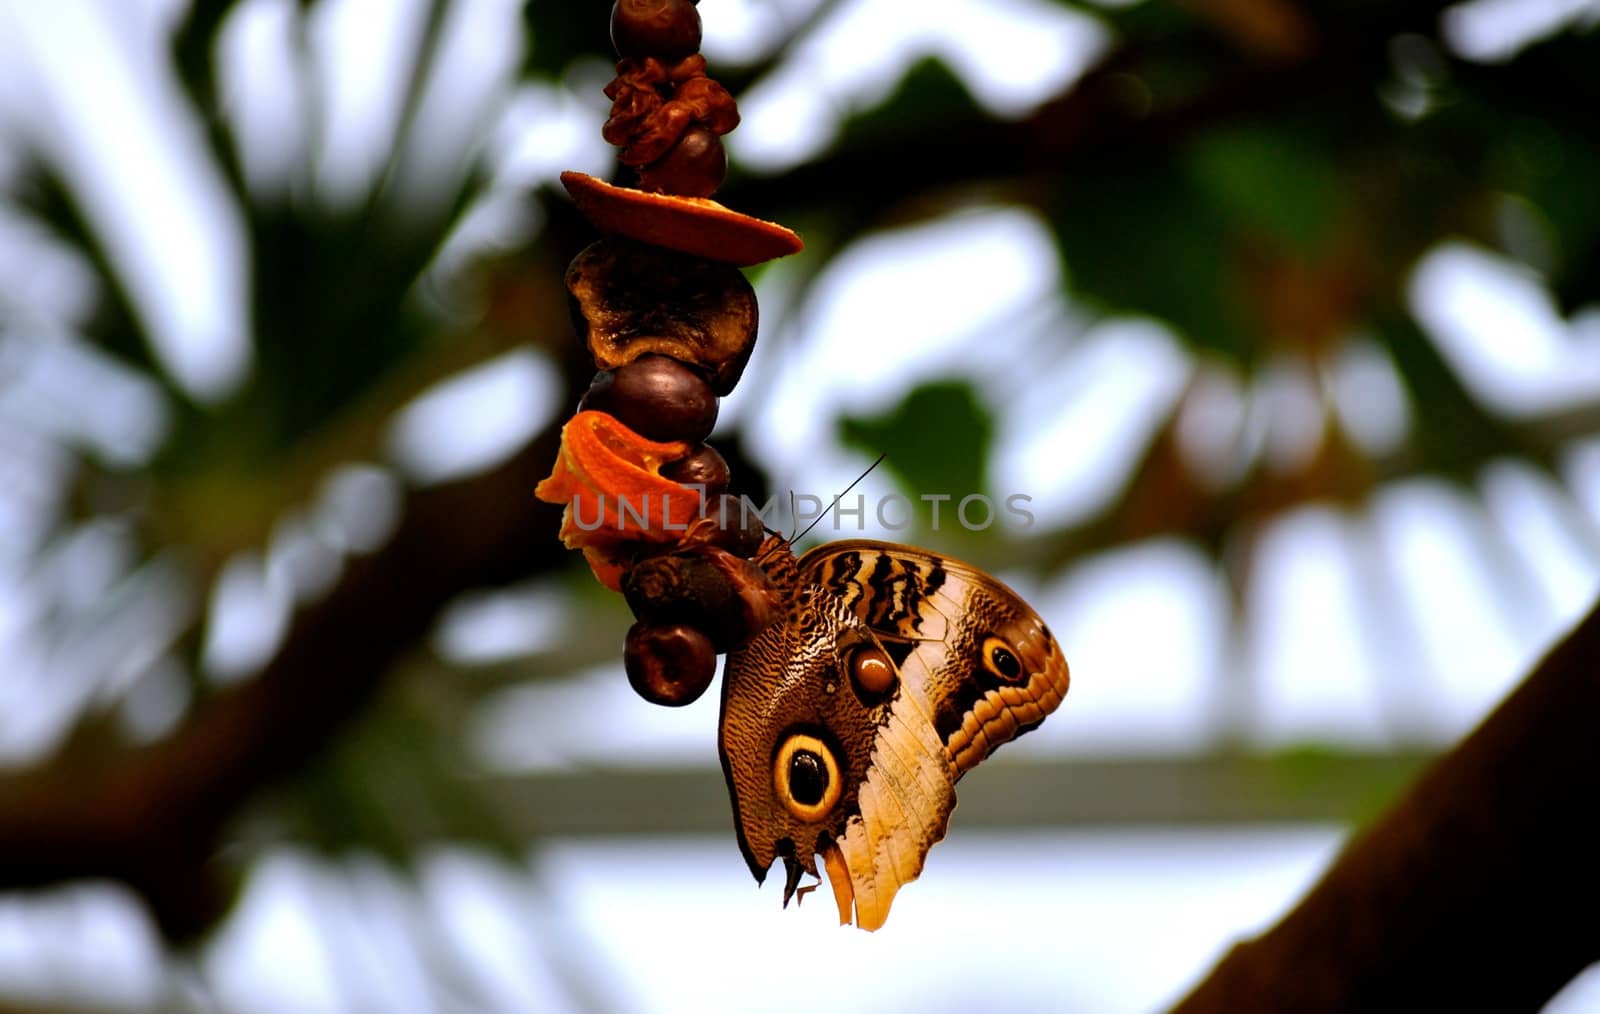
point(846, 725)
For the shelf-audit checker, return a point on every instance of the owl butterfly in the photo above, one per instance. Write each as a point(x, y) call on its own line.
point(847, 722)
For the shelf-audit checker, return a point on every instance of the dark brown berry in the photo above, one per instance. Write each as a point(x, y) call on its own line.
point(666, 29)
point(739, 527)
point(694, 167)
point(656, 397)
point(704, 467)
point(670, 665)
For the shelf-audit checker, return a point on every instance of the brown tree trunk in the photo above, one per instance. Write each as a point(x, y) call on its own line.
point(1479, 889)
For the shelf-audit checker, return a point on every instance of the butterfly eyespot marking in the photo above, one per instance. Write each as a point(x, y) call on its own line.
point(1001, 660)
point(871, 671)
point(805, 776)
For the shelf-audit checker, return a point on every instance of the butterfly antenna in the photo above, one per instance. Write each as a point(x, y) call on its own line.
point(836, 499)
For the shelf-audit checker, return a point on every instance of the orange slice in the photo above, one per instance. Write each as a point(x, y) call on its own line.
point(609, 478)
point(691, 225)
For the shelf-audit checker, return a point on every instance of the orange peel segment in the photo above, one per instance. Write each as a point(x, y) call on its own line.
point(608, 567)
point(609, 478)
point(691, 225)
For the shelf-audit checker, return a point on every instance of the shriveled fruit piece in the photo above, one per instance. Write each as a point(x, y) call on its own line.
point(656, 397)
point(669, 665)
point(691, 225)
point(728, 598)
point(655, 103)
point(632, 299)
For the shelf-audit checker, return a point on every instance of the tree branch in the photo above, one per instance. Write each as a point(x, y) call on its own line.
point(1477, 890)
point(153, 816)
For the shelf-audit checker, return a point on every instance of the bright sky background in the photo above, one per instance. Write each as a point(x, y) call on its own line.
point(1113, 922)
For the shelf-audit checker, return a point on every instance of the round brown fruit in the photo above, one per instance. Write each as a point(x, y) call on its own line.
point(704, 467)
point(739, 527)
point(666, 29)
point(657, 397)
point(694, 167)
point(671, 665)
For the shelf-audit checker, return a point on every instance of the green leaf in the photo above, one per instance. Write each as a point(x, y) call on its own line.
point(929, 94)
point(560, 33)
point(1275, 180)
point(936, 440)
point(1557, 173)
point(1149, 242)
point(397, 783)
